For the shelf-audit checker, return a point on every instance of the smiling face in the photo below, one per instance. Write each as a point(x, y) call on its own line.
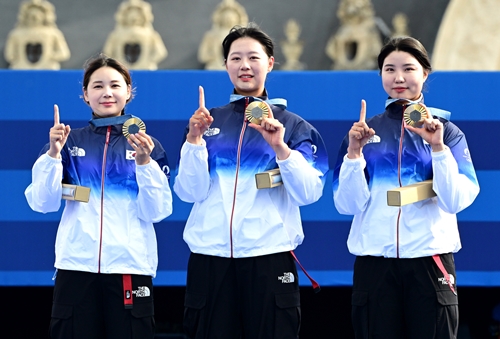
point(107, 92)
point(403, 76)
point(247, 65)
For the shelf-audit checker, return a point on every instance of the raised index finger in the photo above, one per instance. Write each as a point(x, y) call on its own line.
point(362, 113)
point(202, 97)
point(56, 115)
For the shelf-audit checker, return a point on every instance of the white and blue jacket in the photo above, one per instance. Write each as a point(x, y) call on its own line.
point(113, 232)
point(396, 157)
point(230, 217)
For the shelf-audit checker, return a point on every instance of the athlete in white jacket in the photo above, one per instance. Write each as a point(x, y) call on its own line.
point(106, 252)
point(404, 275)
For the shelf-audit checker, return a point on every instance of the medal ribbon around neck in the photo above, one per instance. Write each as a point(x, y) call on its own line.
point(281, 103)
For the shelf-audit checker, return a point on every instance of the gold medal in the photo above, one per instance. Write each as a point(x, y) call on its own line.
point(133, 126)
point(256, 111)
point(414, 115)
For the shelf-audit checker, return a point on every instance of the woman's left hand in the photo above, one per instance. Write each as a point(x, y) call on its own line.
point(431, 131)
point(143, 146)
point(273, 132)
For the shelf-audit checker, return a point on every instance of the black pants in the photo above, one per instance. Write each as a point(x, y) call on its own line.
point(403, 299)
point(249, 298)
point(91, 305)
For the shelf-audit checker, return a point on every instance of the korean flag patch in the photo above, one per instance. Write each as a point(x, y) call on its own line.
point(130, 154)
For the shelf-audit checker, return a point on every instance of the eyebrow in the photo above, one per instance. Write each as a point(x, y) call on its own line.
point(239, 53)
point(101, 81)
point(404, 65)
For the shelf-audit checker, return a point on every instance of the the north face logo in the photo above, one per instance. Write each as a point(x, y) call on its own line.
point(445, 282)
point(142, 291)
point(287, 278)
point(211, 132)
point(76, 152)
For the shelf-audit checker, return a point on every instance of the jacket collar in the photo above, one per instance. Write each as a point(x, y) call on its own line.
point(395, 108)
point(98, 124)
point(276, 102)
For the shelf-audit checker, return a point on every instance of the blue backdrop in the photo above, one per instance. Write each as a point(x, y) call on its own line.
point(166, 99)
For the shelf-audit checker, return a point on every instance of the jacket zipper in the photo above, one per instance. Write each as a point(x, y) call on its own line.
point(240, 142)
point(400, 155)
point(103, 175)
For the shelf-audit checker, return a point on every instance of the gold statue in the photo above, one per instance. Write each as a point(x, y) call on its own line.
point(228, 14)
point(36, 42)
point(134, 40)
point(400, 25)
point(357, 42)
point(292, 47)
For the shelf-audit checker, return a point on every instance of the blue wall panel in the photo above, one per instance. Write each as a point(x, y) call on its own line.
point(166, 99)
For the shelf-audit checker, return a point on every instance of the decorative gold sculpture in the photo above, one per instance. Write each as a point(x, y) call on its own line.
point(357, 42)
point(36, 42)
point(134, 40)
point(292, 47)
point(228, 14)
point(400, 25)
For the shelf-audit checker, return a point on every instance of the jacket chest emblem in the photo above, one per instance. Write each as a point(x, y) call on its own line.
point(211, 132)
point(130, 154)
point(76, 151)
point(373, 139)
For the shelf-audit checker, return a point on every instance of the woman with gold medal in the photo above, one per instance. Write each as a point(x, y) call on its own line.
point(242, 280)
point(404, 282)
point(106, 252)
